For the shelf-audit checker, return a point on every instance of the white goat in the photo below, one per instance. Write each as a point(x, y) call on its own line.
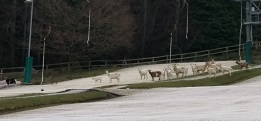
point(143, 73)
point(169, 72)
point(163, 74)
point(113, 76)
point(182, 70)
point(212, 70)
point(200, 68)
point(194, 69)
point(224, 69)
point(96, 79)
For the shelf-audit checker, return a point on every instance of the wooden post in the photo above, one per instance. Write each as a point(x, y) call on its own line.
point(1, 73)
point(90, 65)
point(256, 45)
point(46, 70)
point(227, 52)
point(69, 68)
point(208, 53)
point(181, 57)
point(243, 47)
point(167, 59)
point(153, 60)
point(106, 63)
point(195, 56)
point(125, 62)
point(138, 61)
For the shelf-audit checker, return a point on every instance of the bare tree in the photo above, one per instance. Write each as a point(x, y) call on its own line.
point(112, 28)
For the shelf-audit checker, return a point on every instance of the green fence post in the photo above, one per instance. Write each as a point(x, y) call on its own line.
point(28, 70)
point(248, 52)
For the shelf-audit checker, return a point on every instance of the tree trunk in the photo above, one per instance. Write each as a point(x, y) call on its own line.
point(144, 27)
point(13, 33)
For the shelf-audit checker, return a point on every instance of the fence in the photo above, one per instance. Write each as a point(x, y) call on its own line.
point(139, 61)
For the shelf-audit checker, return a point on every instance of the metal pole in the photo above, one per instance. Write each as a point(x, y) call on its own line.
point(43, 62)
point(89, 28)
point(30, 34)
point(170, 46)
point(240, 32)
point(49, 31)
point(29, 60)
point(248, 32)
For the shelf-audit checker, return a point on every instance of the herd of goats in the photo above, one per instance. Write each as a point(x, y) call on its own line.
point(211, 67)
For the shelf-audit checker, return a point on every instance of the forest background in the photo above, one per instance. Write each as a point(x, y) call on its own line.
point(119, 28)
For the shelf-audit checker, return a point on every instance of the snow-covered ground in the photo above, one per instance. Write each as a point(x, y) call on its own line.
point(235, 102)
point(128, 76)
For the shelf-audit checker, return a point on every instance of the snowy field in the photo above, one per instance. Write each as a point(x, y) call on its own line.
point(128, 76)
point(236, 102)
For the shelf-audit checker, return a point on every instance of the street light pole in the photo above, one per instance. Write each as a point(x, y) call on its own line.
point(170, 46)
point(49, 31)
point(31, 21)
point(29, 60)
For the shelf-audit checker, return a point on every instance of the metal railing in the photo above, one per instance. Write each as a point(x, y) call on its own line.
point(133, 62)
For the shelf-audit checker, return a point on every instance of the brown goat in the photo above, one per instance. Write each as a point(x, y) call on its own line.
point(242, 65)
point(154, 74)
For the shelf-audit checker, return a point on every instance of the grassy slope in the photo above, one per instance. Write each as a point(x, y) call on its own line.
point(11, 105)
point(220, 80)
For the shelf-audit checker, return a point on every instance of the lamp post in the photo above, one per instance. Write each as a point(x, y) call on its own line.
point(170, 46)
point(29, 60)
point(89, 28)
point(44, 54)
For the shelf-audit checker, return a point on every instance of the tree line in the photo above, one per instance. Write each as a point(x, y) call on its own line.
point(118, 28)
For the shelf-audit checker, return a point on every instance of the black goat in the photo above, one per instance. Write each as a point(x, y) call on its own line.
point(10, 81)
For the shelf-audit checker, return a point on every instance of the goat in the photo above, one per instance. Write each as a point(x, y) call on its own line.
point(218, 66)
point(208, 63)
point(163, 74)
point(193, 68)
point(169, 72)
point(143, 73)
point(96, 79)
point(155, 74)
point(200, 68)
point(182, 70)
point(223, 69)
point(242, 65)
point(10, 81)
point(212, 70)
point(113, 76)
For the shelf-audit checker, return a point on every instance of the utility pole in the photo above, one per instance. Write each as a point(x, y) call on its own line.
point(253, 17)
point(248, 32)
point(29, 59)
point(170, 46)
